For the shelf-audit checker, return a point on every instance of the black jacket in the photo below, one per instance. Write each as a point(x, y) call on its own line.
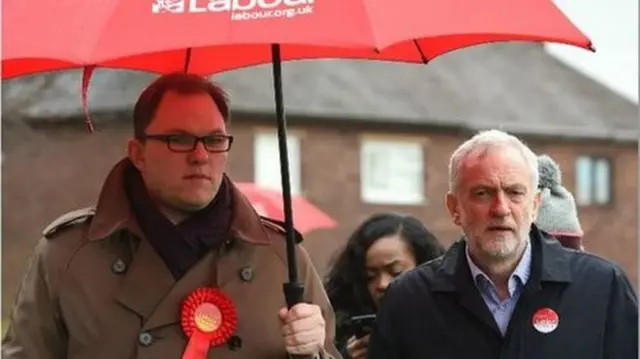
point(436, 312)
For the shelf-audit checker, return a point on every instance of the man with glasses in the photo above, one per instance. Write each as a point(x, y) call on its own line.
point(147, 273)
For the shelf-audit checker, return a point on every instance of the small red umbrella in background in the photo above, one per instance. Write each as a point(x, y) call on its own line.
point(268, 203)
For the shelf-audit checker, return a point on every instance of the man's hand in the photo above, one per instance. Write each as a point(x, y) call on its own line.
point(357, 348)
point(303, 329)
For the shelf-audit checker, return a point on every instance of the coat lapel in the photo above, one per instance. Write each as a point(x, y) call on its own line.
point(237, 256)
point(168, 310)
point(457, 279)
point(146, 282)
point(213, 270)
point(551, 262)
point(150, 291)
point(471, 300)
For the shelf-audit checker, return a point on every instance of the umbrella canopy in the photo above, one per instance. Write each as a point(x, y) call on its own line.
point(209, 36)
point(268, 203)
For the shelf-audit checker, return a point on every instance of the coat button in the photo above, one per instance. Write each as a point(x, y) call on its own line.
point(246, 274)
point(145, 339)
point(234, 343)
point(228, 244)
point(119, 266)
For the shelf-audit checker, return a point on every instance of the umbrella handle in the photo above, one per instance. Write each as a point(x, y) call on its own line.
point(293, 293)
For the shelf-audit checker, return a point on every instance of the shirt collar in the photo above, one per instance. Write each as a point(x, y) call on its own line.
point(522, 271)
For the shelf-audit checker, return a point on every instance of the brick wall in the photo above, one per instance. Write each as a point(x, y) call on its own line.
point(610, 231)
point(57, 169)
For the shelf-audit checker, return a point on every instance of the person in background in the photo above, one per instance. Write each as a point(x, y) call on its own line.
point(557, 214)
point(380, 249)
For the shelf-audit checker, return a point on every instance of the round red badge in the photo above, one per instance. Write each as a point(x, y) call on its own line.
point(545, 320)
point(209, 319)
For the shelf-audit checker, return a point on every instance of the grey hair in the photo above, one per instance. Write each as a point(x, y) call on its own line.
point(485, 140)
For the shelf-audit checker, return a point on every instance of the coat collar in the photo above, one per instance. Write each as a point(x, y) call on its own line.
point(556, 260)
point(550, 262)
point(113, 212)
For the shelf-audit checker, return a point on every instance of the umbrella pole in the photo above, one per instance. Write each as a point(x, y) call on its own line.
point(293, 289)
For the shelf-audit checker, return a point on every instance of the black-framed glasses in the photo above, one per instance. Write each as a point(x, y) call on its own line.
point(187, 143)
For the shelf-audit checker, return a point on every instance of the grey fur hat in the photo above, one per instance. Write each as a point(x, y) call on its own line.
point(557, 214)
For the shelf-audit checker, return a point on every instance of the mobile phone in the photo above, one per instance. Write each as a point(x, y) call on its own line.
point(362, 324)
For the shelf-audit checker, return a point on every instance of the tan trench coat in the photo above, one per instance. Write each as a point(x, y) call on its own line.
point(95, 288)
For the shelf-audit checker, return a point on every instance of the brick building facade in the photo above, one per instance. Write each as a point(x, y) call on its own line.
point(54, 169)
point(343, 115)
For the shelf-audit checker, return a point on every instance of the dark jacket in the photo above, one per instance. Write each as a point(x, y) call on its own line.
point(343, 332)
point(436, 312)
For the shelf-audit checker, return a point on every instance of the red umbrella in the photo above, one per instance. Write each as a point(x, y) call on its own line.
point(156, 35)
point(268, 203)
point(208, 36)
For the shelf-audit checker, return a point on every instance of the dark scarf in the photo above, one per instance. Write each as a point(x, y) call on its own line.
point(181, 245)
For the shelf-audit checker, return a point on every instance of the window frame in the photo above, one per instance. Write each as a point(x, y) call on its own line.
point(390, 197)
point(295, 165)
point(592, 196)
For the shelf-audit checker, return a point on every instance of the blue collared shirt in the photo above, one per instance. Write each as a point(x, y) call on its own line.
point(502, 309)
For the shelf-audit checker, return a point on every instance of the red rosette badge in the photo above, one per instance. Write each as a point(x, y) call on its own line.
point(209, 319)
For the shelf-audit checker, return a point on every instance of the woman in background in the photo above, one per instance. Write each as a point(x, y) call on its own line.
point(383, 247)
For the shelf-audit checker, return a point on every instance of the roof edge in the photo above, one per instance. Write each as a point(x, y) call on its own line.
point(573, 133)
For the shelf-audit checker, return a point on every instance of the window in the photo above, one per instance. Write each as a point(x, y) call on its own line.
point(391, 172)
point(593, 181)
point(267, 161)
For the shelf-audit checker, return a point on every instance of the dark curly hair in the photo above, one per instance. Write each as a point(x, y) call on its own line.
point(346, 282)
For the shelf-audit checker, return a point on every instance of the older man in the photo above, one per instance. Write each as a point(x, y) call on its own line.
point(173, 262)
point(505, 290)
